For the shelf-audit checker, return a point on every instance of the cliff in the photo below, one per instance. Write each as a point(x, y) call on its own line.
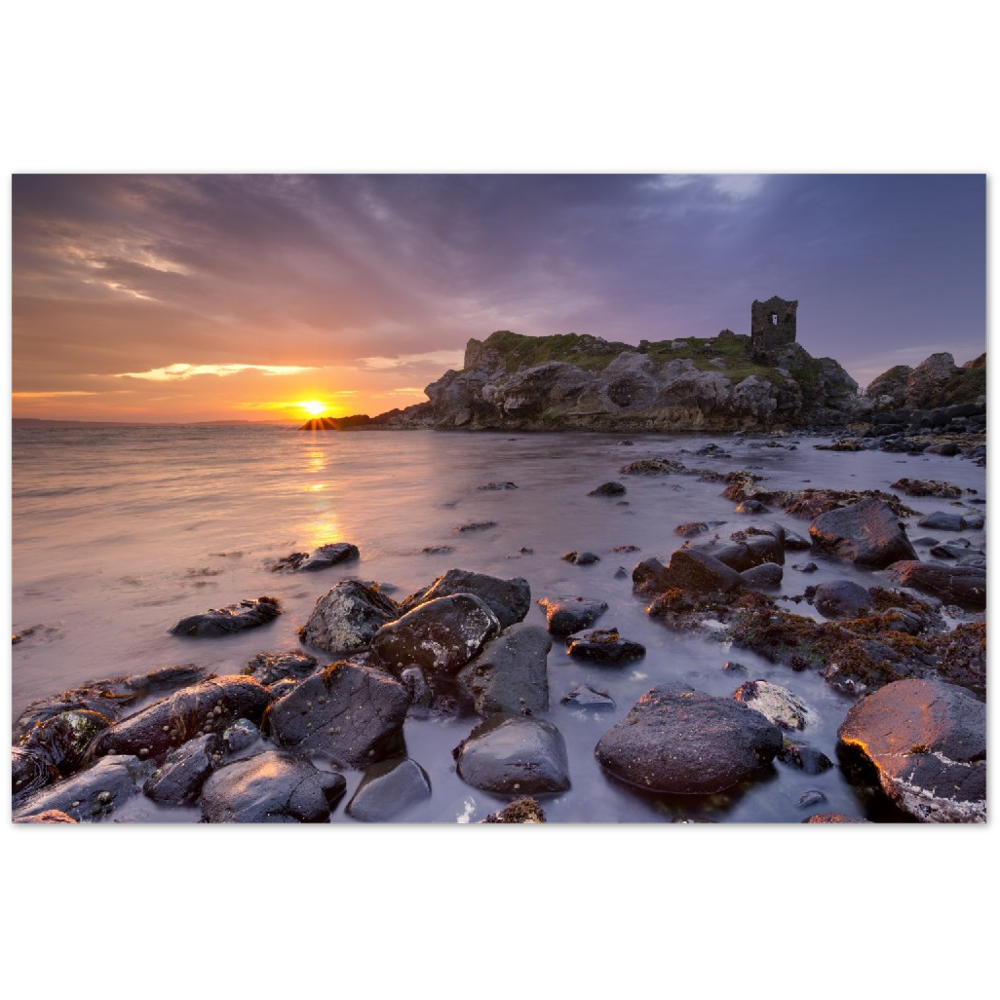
point(580, 382)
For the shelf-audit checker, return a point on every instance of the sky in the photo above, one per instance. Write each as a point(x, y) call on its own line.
point(219, 297)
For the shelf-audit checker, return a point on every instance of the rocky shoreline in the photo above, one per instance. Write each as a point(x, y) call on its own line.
point(271, 741)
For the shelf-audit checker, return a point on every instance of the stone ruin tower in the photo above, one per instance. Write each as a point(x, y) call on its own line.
point(772, 326)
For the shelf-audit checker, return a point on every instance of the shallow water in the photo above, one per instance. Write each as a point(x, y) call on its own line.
point(118, 533)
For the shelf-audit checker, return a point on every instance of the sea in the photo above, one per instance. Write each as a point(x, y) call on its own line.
point(120, 532)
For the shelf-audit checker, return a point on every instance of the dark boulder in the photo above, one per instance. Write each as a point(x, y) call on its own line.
point(94, 794)
point(927, 488)
point(691, 528)
point(63, 739)
point(509, 600)
point(510, 674)
point(806, 567)
point(565, 615)
point(681, 741)
point(330, 555)
point(241, 734)
point(207, 707)
point(178, 781)
point(353, 715)
point(611, 489)
point(582, 558)
point(940, 520)
point(806, 759)
point(841, 599)
point(961, 585)
point(867, 533)
point(492, 485)
point(690, 570)
point(604, 646)
point(927, 741)
point(269, 668)
point(273, 787)
point(511, 753)
point(586, 696)
point(439, 636)
point(347, 617)
point(30, 770)
point(234, 618)
point(764, 576)
point(388, 788)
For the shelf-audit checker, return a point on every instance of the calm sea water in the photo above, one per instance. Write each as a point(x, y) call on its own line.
point(118, 533)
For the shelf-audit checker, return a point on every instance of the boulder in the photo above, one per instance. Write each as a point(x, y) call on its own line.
point(805, 758)
point(680, 741)
point(611, 489)
point(764, 576)
point(927, 488)
point(940, 520)
point(509, 600)
point(586, 696)
point(178, 782)
point(927, 741)
point(522, 810)
point(841, 599)
point(330, 555)
point(510, 675)
point(388, 788)
point(30, 770)
point(234, 618)
point(604, 646)
point(273, 787)
point(565, 615)
point(867, 533)
point(961, 585)
point(439, 636)
point(269, 668)
point(207, 707)
point(347, 617)
point(582, 558)
point(353, 715)
point(241, 734)
point(511, 753)
point(63, 739)
point(94, 794)
point(690, 570)
point(776, 703)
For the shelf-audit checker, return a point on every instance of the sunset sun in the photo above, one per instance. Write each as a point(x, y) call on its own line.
point(313, 407)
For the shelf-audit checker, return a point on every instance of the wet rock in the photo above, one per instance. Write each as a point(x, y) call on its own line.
point(867, 533)
point(927, 741)
point(677, 740)
point(841, 599)
point(498, 486)
point(49, 816)
point(347, 617)
point(565, 615)
point(651, 467)
point(690, 570)
point(109, 696)
point(350, 714)
point(30, 770)
point(178, 781)
point(833, 818)
point(272, 787)
point(750, 507)
point(330, 555)
point(796, 541)
point(806, 759)
point(961, 585)
point(241, 734)
point(510, 674)
point(582, 558)
point(585, 696)
point(207, 707)
point(621, 573)
point(234, 618)
point(511, 753)
point(732, 667)
point(440, 636)
point(765, 575)
point(927, 488)
point(63, 739)
point(438, 550)
point(604, 646)
point(387, 788)
point(476, 526)
point(522, 810)
point(94, 794)
point(946, 448)
point(509, 600)
point(974, 520)
point(611, 489)
point(417, 689)
point(776, 703)
point(940, 520)
point(812, 797)
point(269, 668)
point(807, 567)
point(691, 528)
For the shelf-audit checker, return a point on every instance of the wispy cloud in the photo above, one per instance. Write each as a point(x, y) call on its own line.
point(446, 359)
point(173, 373)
